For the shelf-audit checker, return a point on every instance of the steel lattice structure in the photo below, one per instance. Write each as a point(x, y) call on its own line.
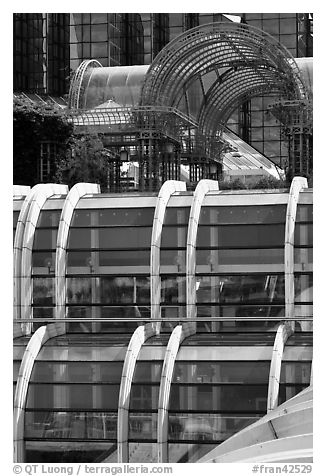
point(182, 102)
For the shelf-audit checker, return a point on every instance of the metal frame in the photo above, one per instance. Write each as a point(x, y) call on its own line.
point(246, 61)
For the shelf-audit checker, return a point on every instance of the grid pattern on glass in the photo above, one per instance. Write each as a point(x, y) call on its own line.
point(97, 36)
point(43, 262)
point(100, 243)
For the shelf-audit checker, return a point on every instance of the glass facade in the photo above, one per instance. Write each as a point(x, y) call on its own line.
point(41, 52)
point(108, 257)
point(221, 373)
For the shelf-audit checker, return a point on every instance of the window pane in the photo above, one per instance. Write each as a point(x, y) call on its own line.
point(303, 234)
point(77, 372)
point(213, 258)
point(245, 215)
point(148, 372)
point(241, 236)
point(113, 217)
point(173, 289)
point(232, 398)
point(79, 290)
point(247, 289)
point(119, 238)
point(304, 213)
point(221, 372)
point(48, 218)
point(70, 425)
point(187, 426)
point(45, 239)
point(174, 237)
point(296, 372)
point(43, 290)
point(176, 215)
point(142, 426)
point(248, 310)
point(174, 258)
point(80, 238)
point(43, 259)
point(303, 287)
point(124, 258)
point(73, 396)
point(144, 397)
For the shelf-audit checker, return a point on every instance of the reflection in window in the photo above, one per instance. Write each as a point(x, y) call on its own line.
point(221, 372)
point(43, 291)
point(71, 425)
point(242, 214)
point(173, 289)
point(207, 427)
point(216, 398)
point(240, 288)
point(241, 236)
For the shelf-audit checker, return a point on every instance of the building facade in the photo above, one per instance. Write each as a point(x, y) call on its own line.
point(145, 324)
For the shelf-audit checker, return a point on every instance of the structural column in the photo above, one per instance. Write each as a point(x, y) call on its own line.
point(141, 334)
point(76, 192)
point(284, 331)
point(23, 246)
point(38, 339)
point(168, 188)
point(298, 184)
point(203, 187)
point(177, 337)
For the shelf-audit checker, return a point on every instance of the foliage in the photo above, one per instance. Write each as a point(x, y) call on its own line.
point(33, 123)
point(262, 183)
point(84, 161)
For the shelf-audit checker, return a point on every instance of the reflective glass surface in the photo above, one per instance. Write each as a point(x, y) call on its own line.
point(45, 239)
point(303, 287)
point(110, 238)
point(241, 236)
point(77, 372)
point(296, 372)
point(175, 259)
point(287, 391)
point(223, 215)
point(221, 372)
point(241, 288)
point(94, 261)
point(45, 260)
point(142, 426)
point(209, 427)
point(176, 216)
point(48, 219)
point(43, 291)
point(215, 258)
point(144, 397)
point(90, 312)
point(303, 234)
point(227, 398)
point(304, 213)
point(71, 425)
point(147, 372)
point(174, 237)
point(73, 396)
point(107, 290)
point(173, 289)
point(113, 217)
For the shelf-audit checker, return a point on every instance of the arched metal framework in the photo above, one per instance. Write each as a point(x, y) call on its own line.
point(219, 66)
point(203, 75)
